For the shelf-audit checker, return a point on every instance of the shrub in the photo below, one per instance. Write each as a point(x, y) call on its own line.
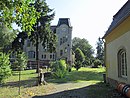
point(97, 62)
point(5, 70)
point(59, 68)
point(86, 63)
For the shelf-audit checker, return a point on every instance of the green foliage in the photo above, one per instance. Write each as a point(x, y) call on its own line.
point(42, 31)
point(79, 55)
point(6, 36)
point(100, 50)
point(19, 12)
point(20, 62)
point(79, 58)
point(5, 70)
point(19, 41)
point(78, 65)
point(86, 63)
point(59, 68)
point(83, 45)
point(97, 62)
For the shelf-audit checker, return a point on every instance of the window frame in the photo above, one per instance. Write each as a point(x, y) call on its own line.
point(61, 52)
point(31, 54)
point(122, 63)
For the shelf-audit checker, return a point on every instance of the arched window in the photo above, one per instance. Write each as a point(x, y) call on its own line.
point(122, 63)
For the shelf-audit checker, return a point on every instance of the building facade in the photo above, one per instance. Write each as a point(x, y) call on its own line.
point(63, 31)
point(117, 47)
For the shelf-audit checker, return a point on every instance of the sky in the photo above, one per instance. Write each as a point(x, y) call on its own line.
point(90, 19)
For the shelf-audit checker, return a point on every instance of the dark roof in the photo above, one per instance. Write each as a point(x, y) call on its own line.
point(122, 14)
point(64, 21)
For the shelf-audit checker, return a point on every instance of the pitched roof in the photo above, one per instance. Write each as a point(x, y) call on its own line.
point(64, 21)
point(122, 14)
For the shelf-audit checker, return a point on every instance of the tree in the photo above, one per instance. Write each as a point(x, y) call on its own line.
point(20, 61)
point(97, 62)
point(23, 15)
point(18, 42)
point(100, 50)
point(5, 70)
point(84, 46)
point(79, 58)
point(19, 12)
point(42, 33)
point(6, 36)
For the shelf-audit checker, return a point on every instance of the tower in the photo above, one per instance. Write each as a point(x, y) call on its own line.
point(64, 44)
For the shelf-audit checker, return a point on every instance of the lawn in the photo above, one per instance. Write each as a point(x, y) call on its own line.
point(90, 75)
point(86, 81)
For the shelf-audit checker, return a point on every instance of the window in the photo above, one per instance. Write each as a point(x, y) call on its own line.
point(28, 43)
point(50, 56)
point(53, 56)
point(45, 48)
point(45, 56)
point(60, 41)
point(65, 49)
point(122, 63)
point(42, 55)
point(61, 52)
point(31, 54)
point(66, 38)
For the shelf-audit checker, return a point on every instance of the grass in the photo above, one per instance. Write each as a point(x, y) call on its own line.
point(28, 79)
point(92, 75)
point(88, 81)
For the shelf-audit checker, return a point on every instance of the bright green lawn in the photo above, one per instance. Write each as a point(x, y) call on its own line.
point(87, 76)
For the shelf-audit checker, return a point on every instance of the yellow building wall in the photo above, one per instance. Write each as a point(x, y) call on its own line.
point(118, 38)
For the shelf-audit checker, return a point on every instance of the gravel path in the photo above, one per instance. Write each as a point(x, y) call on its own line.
point(75, 90)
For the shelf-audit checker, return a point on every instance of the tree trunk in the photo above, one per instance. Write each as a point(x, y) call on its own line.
point(37, 58)
point(37, 54)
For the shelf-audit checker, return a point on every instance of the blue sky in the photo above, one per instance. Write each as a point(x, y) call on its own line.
point(89, 18)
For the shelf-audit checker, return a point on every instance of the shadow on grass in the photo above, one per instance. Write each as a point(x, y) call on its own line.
point(16, 73)
point(24, 83)
point(76, 76)
point(99, 90)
